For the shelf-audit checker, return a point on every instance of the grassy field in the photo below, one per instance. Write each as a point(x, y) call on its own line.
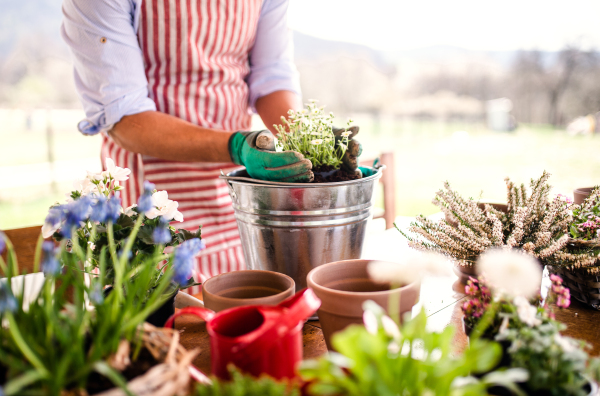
point(474, 160)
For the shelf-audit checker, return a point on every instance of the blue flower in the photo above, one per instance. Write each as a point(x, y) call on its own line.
point(145, 201)
point(113, 209)
point(95, 294)
point(183, 262)
point(76, 212)
point(2, 243)
point(8, 302)
point(56, 215)
point(162, 234)
point(50, 264)
point(99, 209)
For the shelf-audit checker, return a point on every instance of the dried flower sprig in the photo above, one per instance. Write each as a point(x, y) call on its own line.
point(532, 222)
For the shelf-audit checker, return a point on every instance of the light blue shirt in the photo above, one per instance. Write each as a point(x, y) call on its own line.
point(109, 68)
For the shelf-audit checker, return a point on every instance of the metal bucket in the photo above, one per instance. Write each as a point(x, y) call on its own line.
point(294, 227)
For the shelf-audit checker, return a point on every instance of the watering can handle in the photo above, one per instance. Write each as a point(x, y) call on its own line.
point(203, 313)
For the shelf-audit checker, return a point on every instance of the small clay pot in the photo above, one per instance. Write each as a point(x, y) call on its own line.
point(580, 194)
point(464, 273)
point(250, 287)
point(343, 287)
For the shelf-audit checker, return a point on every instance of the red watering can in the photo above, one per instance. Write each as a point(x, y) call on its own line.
point(258, 339)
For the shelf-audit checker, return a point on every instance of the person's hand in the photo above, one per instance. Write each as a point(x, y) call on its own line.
point(256, 151)
point(350, 160)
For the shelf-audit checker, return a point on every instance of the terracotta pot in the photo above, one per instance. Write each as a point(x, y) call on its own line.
point(580, 194)
point(343, 287)
point(250, 287)
point(464, 273)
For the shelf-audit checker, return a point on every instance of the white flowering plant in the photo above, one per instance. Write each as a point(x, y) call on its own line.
point(503, 304)
point(72, 333)
point(310, 132)
point(94, 219)
point(532, 222)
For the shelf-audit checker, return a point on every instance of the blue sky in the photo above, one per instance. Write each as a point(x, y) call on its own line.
point(473, 24)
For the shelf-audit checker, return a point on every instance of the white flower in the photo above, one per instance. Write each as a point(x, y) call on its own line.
point(526, 312)
point(48, 230)
point(564, 343)
point(396, 273)
point(84, 187)
point(163, 206)
point(129, 210)
point(346, 134)
point(413, 267)
point(504, 325)
point(370, 321)
point(316, 141)
point(390, 327)
point(91, 176)
point(510, 272)
point(117, 173)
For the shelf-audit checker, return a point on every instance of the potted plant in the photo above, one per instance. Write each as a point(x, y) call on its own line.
point(93, 214)
point(382, 358)
point(531, 222)
point(499, 307)
point(578, 261)
point(247, 385)
point(71, 339)
point(311, 133)
point(580, 194)
point(293, 227)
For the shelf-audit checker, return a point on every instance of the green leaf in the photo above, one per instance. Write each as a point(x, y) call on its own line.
point(103, 368)
point(125, 221)
point(185, 235)
point(145, 234)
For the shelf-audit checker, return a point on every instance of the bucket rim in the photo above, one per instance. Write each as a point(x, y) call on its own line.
point(255, 182)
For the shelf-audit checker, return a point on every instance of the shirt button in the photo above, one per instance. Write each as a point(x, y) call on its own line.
point(103, 40)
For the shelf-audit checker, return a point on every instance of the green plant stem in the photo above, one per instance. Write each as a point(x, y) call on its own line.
point(89, 247)
point(14, 386)
point(131, 238)
point(23, 347)
point(486, 320)
point(394, 304)
point(38, 254)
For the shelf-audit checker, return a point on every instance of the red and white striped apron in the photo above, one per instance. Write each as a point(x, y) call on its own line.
point(196, 59)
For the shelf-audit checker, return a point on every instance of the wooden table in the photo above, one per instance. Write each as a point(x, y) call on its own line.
point(440, 297)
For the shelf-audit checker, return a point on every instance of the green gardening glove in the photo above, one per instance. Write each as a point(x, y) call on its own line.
point(256, 151)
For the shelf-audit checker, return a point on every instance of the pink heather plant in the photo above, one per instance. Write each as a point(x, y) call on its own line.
point(479, 298)
point(558, 293)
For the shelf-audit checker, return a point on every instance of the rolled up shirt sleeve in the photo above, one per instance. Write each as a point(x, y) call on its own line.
point(108, 63)
point(272, 65)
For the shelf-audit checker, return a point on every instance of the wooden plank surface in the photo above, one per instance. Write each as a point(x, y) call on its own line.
point(582, 323)
point(24, 241)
